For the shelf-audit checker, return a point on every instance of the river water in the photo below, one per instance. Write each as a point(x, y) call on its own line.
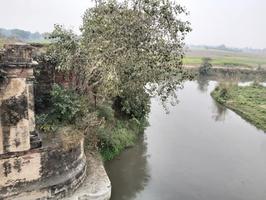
point(199, 151)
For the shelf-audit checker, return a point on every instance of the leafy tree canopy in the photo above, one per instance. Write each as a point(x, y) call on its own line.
point(127, 49)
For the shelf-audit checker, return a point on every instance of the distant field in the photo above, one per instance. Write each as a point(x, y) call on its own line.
point(226, 58)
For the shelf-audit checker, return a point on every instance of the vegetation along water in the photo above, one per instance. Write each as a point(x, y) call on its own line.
point(248, 101)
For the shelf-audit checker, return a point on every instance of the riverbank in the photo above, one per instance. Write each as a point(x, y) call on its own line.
point(233, 69)
point(236, 73)
point(249, 101)
point(206, 157)
point(117, 132)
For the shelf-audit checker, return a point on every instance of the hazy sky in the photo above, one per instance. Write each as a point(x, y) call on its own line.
point(239, 23)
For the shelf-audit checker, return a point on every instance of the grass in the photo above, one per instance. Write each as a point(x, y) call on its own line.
point(226, 58)
point(114, 139)
point(230, 61)
point(249, 101)
point(116, 134)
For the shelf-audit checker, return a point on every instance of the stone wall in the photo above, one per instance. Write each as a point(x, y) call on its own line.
point(16, 99)
point(47, 173)
point(17, 53)
point(27, 170)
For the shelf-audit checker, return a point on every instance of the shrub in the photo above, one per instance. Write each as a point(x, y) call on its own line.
point(115, 136)
point(105, 111)
point(222, 92)
point(205, 66)
point(66, 104)
point(133, 104)
point(66, 108)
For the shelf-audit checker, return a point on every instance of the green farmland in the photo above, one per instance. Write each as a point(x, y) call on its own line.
point(226, 58)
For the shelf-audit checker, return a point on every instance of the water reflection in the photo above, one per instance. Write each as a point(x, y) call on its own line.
point(218, 111)
point(129, 172)
point(192, 155)
point(203, 83)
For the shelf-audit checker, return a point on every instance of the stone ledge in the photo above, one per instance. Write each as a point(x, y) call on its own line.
point(54, 188)
point(97, 185)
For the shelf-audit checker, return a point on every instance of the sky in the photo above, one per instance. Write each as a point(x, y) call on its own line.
point(235, 23)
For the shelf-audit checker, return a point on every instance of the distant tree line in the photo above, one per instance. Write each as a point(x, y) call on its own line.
point(21, 35)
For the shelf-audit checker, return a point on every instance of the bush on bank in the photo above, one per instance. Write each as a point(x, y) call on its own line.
point(116, 134)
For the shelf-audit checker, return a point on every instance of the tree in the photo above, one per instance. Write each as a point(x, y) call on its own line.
point(205, 66)
point(128, 51)
point(20, 34)
point(133, 43)
point(67, 54)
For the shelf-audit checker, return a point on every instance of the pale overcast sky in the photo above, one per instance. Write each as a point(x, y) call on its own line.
point(238, 23)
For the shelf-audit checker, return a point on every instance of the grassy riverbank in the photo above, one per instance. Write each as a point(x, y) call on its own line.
point(116, 133)
point(249, 101)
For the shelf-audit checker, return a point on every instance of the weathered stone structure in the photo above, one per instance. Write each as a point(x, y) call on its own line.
point(17, 103)
point(29, 168)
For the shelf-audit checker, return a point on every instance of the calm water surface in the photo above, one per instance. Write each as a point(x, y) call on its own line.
point(200, 151)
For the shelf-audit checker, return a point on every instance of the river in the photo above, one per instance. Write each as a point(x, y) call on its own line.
point(199, 151)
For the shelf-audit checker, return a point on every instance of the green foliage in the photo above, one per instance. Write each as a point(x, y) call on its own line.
point(114, 140)
point(132, 43)
point(205, 66)
point(134, 104)
point(248, 101)
point(128, 51)
point(125, 45)
point(114, 135)
point(67, 105)
point(44, 124)
point(222, 91)
point(64, 48)
point(66, 108)
point(105, 111)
